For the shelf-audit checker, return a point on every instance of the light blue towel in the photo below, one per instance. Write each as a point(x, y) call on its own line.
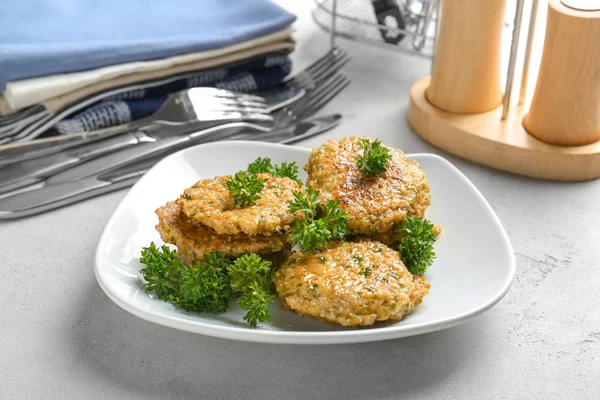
point(44, 37)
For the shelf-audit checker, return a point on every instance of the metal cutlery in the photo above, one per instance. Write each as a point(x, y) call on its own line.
point(54, 196)
point(204, 106)
point(308, 106)
point(17, 175)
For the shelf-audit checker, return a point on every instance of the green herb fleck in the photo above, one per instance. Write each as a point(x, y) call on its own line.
point(366, 271)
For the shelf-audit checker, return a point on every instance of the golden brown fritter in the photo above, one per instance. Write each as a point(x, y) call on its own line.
point(209, 202)
point(351, 283)
point(373, 204)
point(194, 240)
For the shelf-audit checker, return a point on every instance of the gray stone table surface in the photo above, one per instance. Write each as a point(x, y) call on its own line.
point(62, 338)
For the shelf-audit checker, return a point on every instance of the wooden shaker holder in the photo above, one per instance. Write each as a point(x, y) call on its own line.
point(458, 109)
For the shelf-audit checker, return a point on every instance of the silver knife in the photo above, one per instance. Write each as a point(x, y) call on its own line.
point(52, 196)
point(20, 174)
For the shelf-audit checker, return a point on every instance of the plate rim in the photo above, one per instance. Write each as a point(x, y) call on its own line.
point(302, 337)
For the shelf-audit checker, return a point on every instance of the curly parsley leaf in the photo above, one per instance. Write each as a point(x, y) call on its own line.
point(247, 269)
point(260, 165)
point(209, 285)
point(289, 170)
point(245, 188)
point(250, 276)
point(306, 202)
point(202, 286)
point(416, 244)
point(256, 301)
point(322, 223)
point(374, 159)
point(283, 170)
point(310, 235)
point(335, 218)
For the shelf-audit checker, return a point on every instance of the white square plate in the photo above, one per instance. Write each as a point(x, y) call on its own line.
point(474, 268)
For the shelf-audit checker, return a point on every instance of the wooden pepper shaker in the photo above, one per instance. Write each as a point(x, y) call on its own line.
point(565, 109)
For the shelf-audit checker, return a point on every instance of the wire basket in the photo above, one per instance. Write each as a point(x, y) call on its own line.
point(358, 20)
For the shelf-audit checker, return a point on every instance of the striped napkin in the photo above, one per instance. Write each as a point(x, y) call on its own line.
point(255, 74)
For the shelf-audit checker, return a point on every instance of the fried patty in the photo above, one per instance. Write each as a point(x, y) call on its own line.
point(373, 204)
point(209, 202)
point(351, 283)
point(194, 240)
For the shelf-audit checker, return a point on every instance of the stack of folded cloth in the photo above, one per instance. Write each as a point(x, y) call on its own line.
point(122, 59)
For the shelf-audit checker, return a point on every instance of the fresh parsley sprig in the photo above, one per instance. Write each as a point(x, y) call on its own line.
point(374, 159)
point(335, 218)
point(208, 286)
point(416, 244)
point(322, 223)
point(260, 165)
point(245, 188)
point(250, 277)
point(306, 202)
point(285, 169)
point(201, 287)
point(289, 170)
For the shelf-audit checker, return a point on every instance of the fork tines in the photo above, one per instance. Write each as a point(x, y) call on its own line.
point(320, 70)
point(212, 104)
point(323, 95)
point(315, 99)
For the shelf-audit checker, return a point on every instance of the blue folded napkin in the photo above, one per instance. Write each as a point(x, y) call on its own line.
point(249, 76)
point(44, 37)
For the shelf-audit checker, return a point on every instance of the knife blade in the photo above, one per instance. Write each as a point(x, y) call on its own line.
point(55, 195)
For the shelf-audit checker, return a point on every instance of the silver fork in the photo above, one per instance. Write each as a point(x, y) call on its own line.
point(308, 106)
